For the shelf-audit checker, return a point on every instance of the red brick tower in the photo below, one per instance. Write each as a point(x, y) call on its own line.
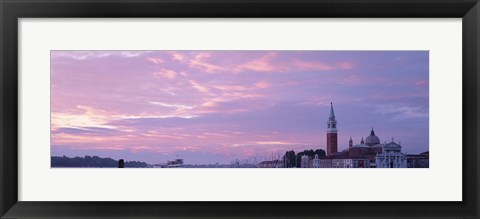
point(332, 142)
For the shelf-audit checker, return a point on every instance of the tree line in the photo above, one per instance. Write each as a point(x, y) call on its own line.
point(294, 160)
point(89, 161)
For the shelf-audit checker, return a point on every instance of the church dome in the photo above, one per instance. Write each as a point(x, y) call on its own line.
point(372, 139)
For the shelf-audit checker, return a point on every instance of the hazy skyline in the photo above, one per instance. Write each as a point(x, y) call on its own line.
point(215, 106)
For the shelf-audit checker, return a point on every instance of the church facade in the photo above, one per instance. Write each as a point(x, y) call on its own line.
point(391, 157)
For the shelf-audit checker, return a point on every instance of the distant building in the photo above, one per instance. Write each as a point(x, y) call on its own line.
point(325, 163)
point(305, 161)
point(418, 160)
point(351, 162)
point(361, 163)
point(372, 139)
point(316, 162)
point(338, 163)
point(368, 148)
point(391, 157)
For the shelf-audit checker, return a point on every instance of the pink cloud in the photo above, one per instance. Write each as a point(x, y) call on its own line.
point(345, 65)
point(320, 66)
point(274, 143)
point(210, 104)
point(262, 85)
point(200, 62)
point(156, 60)
point(176, 56)
point(230, 87)
point(82, 116)
point(308, 65)
point(268, 64)
point(117, 91)
point(241, 95)
point(175, 106)
point(165, 73)
point(262, 64)
point(199, 87)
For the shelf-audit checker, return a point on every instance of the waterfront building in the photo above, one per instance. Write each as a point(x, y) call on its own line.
point(391, 157)
point(305, 161)
point(351, 162)
point(325, 163)
point(316, 162)
point(418, 160)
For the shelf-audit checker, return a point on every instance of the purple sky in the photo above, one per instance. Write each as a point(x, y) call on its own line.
point(215, 106)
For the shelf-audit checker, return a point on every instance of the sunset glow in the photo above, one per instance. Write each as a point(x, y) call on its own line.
point(217, 106)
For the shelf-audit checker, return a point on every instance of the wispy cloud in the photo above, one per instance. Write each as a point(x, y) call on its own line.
point(274, 143)
point(261, 64)
point(310, 65)
point(82, 116)
point(322, 66)
point(199, 87)
point(156, 60)
point(83, 55)
point(263, 84)
point(176, 56)
point(421, 83)
point(402, 111)
point(175, 106)
point(86, 131)
point(352, 79)
point(200, 62)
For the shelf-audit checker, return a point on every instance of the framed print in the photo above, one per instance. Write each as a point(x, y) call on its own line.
point(124, 109)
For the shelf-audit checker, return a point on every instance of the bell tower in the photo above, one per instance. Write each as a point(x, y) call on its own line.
point(332, 142)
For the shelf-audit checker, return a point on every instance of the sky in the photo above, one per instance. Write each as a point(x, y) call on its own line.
point(218, 106)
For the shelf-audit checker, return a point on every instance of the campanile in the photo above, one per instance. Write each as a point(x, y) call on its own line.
point(332, 141)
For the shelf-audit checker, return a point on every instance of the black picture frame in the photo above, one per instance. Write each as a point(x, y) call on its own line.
point(12, 10)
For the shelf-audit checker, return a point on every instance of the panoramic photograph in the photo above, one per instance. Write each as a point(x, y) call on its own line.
point(239, 109)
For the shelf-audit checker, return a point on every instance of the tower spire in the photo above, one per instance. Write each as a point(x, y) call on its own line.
point(332, 114)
